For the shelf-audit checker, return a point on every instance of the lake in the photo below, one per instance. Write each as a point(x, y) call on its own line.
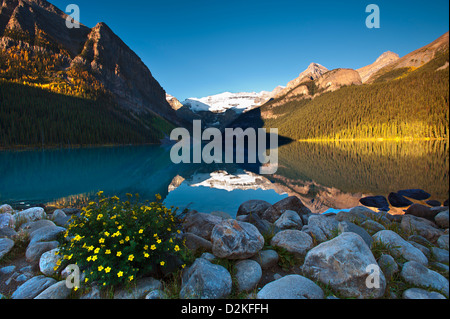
point(322, 175)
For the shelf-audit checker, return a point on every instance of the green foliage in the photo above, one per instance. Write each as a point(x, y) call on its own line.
point(117, 242)
point(35, 117)
point(402, 105)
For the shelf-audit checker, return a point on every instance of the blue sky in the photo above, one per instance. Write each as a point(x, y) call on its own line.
point(204, 47)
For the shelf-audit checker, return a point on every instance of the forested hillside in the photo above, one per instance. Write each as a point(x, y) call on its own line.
point(405, 103)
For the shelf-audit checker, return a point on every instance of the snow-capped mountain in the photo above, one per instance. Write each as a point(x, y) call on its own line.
point(239, 102)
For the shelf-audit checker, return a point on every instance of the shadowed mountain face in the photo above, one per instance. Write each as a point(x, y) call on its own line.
point(38, 27)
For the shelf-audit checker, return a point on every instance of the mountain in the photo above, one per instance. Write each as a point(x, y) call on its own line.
point(38, 50)
point(394, 103)
point(384, 60)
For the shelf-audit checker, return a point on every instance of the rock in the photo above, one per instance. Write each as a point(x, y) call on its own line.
point(372, 226)
point(294, 241)
point(289, 220)
point(291, 203)
point(200, 224)
point(329, 263)
point(442, 242)
point(24, 277)
point(7, 232)
point(208, 256)
point(7, 270)
point(56, 291)
point(35, 250)
point(6, 220)
point(421, 226)
point(291, 287)
point(440, 255)
point(441, 219)
point(422, 211)
point(388, 266)
point(417, 293)
point(222, 215)
point(417, 194)
point(347, 227)
point(196, 243)
point(32, 226)
point(374, 201)
point(422, 248)
point(248, 274)
point(254, 206)
point(31, 214)
point(315, 232)
point(446, 202)
point(264, 226)
point(6, 245)
point(62, 221)
point(33, 287)
point(441, 268)
point(266, 258)
point(398, 247)
point(232, 239)
point(204, 280)
point(71, 211)
point(420, 240)
point(95, 293)
point(138, 291)
point(357, 214)
point(58, 213)
point(398, 200)
point(6, 209)
point(156, 294)
point(47, 233)
point(328, 225)
point(433, 203)
point(419, 275)
point(48, 262)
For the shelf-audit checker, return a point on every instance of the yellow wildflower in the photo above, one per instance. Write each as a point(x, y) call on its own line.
point(101, 240)
point(107, 252)
point(153, 247)
point(131, 257)
point(119, 253)
point(120, 274)
point(107, 269)
point(162, 263)
point(100, 268)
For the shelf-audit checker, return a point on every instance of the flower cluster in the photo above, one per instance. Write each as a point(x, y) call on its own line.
point(116, 242)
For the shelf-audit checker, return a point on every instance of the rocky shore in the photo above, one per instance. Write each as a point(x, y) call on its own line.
point(280, 251)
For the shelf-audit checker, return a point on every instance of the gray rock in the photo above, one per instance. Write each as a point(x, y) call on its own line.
point(204, 280)
point(441, 268)
point(328, 225)
point(388, 266)
point(208, 256)
point(398, 247)
point(420, 240)
point(33, 287)
point(372, 226)
point(56, 291)
point(6, 220)
point(31, 214)
point(139, 290)
point(294, 241)
point(441, 219)
point(58, 213)
point(330, 264)
point(23, 277)
point(35, 250)
point(265, 227)
point(315, 232)
point(291, 203)
point(6, 245)
point(289, 220)
point(48, 262)
point(417, 293)
point(7, 270)
point(232, 239)
point(421, 211)
point(248, 274)
point(62, 221)
point(291, 287)
point(423, 249)
point(347, 227)
point(266, 258)
point(442, 242)
point(156, 294)
point(200, 224)
point(419, 275)
point(6, 209)
point(32, 226)
point(8, 232)
point(421, 226)
point(197, 243)
point(47, 233)
point(355, 215)
point(93, 294)
point(440, 255)
point(254, 206)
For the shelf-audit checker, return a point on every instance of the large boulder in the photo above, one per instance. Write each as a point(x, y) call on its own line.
point(400, 248)
point(232, 239)
point(6, 245)
point(417, 293)
point(140, 289)
point(33, 287)
point(294, 241)
point(321, 228)
point(419, 275)
point(291, 287)
point(374, 201)
point(422, 211)
point(56, 291)
point(6, 209)
point(347, 227)
point(357, 214)
point(30, 214)
point(200, 224)
point(265, 227)
point(204, 280)
point(48, 233)
point(398, 200)
point(6, 220)
point(248, 274)
point(421, 226)
point(417, 194)
point(289, 220)
point(344, 263)
point(291, 203)
point(196, 243)
point(441, 219)
point(253, 206)
point(266, 258)
point(35, 250)
point(48, 262)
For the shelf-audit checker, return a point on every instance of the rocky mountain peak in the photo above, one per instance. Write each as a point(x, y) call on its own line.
point(388, 56)
point(313, 72)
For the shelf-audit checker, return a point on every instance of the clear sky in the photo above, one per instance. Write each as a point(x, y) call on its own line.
point(204, 47)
